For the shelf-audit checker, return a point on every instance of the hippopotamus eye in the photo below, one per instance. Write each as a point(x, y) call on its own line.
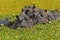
point(30, 16)
point(33, 11)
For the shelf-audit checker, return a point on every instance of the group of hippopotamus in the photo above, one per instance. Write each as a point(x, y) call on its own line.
point(30, 16)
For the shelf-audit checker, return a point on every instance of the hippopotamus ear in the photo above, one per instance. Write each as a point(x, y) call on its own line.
point(45, 10)
point(33, 6)
point(17, 17)
point(26, 12)
point(23, 9)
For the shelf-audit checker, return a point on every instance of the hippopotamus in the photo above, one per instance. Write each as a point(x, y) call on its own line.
point(48, 15)
point(22, 23)
point(56, 15)
point(5, 22)
point(32, 15)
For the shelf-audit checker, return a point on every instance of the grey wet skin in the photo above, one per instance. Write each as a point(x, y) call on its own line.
point(22, 23)
point(6, 22)
point(29, 16)
point(56, 14)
